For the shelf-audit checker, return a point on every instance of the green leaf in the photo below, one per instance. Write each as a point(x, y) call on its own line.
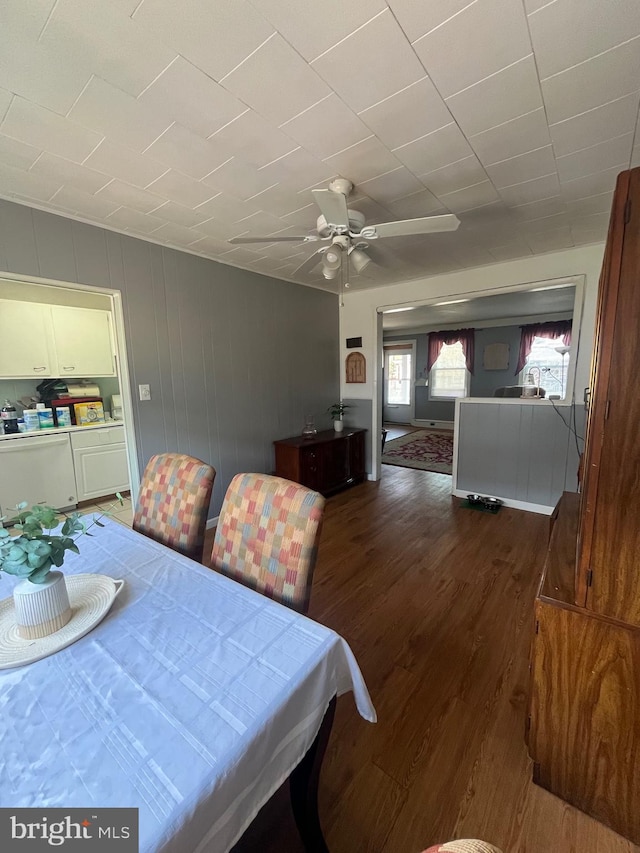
point(21, 570)
point(98, 523)
point(4, 534)
point(16, 554)
point(22, 505)
point(41, 575)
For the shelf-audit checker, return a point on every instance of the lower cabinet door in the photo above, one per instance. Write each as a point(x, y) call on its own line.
point(311, 467)
point(101, 470)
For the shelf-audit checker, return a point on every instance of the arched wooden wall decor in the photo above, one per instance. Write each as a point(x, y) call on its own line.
point(356, 367)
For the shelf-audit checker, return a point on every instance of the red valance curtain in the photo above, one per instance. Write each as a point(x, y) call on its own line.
point(466, 338)
point(553, 329)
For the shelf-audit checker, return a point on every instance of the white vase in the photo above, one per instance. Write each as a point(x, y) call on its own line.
point(41, 608)
point(338, 426)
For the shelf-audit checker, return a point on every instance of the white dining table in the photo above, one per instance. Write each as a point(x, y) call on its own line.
point(193, 700)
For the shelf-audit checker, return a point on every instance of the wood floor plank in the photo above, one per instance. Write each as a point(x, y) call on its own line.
point(436, 602)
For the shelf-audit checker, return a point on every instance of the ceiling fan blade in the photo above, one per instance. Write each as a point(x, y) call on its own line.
point(309, 263)
point(307, 238)
point(425, 225)
point(333, 206)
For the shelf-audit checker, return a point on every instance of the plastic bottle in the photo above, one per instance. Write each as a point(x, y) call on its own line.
point(63, 416)
point(9, 418)
point(45, 416)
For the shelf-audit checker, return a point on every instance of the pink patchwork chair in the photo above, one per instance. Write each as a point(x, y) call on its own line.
point(267, 537)
point(463, 845)
point(173, 502)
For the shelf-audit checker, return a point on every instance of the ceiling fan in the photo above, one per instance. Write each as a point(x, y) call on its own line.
point(346, 232)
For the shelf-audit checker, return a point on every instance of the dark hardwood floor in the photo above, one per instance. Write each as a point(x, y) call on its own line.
point(436, 602)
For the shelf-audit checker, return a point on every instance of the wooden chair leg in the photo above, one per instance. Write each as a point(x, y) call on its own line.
point(303, 787)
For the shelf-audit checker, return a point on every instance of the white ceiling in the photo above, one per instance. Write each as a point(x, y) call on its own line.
point(517, 305)
point(189, 123)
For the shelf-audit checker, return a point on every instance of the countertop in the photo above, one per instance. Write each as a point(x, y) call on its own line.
point(56, 430)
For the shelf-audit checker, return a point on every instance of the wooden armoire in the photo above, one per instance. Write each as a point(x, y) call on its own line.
point(584, 723)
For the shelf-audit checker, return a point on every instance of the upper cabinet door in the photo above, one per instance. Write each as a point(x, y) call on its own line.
point(24, 340)
point(83, 342)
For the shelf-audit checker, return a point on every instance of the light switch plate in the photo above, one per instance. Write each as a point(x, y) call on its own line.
point(145, 392)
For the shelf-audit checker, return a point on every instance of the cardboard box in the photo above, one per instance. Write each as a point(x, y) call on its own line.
point(89, 413)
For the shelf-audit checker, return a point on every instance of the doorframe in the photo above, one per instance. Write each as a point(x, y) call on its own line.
point(122, 365)
point(408, 344)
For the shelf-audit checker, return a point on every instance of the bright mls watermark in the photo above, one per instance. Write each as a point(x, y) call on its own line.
point(79, 830)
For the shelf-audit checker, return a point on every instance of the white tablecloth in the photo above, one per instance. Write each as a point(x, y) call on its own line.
point(193, 700)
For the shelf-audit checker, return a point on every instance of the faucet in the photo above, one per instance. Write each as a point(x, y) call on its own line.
point(530, 374)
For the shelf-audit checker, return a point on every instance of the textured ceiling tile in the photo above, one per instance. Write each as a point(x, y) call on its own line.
point(597, 158)
point(215, 37)
point(551, 241)
point(327, 128)
point(122, 163)
point(487, 47)
point(225, 206)
point(181, 188)
point(437, 149)
point(182, 149)
point(524, 167)
point(63, 171)
point(187, 95)
point(522, 134)
point(179, 214)
point(314, 27)
point(600, 182)
point(133, 220)
point(238, 179)
point(363, 161)
point(297, 170)
point(598, 125)
point(408, 115)
point(24, 184)
point(565, 33)
point(506, 95)
point(17, 154)
point(23, 20)
point(276, 82)
point(220, 230)
point(209, 246)
point(582, 238)
point(5, 99)
point(594, 83)
point(360, 81)
point(456, 176)
point(278, 200)
point(98, 36)
point(260, 223)
point(534, 190)
point(91, 206)
point(600, 203)
point(422, 203)
point(117, 115)
point(392, 186)
point(179, 235)
point(539, 209)
point(253, 139)
point(418, 18)
point(48, 131)
point(510, 251)
point(129, 196)
point(470, 197)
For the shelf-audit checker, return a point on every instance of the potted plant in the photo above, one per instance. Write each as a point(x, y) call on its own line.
point(41, 600)
point(337, 410)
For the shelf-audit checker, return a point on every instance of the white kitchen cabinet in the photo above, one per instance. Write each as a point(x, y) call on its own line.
point(54, 340)
point(100, 462)
point(25, 340)
point(36, 469)
point(82, 341)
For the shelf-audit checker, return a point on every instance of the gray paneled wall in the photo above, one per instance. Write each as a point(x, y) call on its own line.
point(360, 415)
point(520, 451)
point(234, 359)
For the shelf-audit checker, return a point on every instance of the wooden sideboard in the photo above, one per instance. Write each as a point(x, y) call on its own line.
point(327, 462)
point(584, 723)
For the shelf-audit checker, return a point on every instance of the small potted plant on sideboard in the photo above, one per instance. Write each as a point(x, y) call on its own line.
point(337, 410)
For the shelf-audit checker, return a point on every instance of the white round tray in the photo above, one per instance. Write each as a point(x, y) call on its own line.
point(90, 597)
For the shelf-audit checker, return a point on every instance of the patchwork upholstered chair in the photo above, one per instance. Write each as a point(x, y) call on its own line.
point(267, 537)
point(463, 845)
point(173, 502)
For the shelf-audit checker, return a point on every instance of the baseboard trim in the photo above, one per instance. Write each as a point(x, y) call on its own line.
point(212, 522)
point(421, 422)
point(541, 509)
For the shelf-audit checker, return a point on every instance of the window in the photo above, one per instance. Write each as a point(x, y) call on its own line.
point(553, 366)
point(449, 375)
point(399, 378)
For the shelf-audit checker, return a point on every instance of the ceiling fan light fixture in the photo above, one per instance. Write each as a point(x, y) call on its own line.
point(329, 273)
point(359, 260)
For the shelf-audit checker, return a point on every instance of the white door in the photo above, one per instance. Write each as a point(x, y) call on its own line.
point(398, 402)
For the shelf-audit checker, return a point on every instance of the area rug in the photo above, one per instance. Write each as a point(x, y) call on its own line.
point(428, 450)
